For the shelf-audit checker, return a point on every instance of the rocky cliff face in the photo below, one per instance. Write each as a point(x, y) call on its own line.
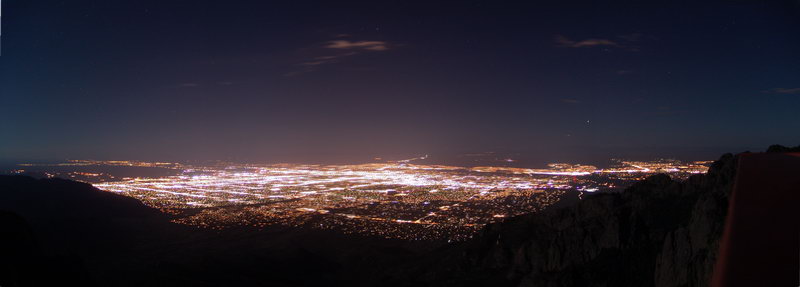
point(658, 232)
point(689, 252)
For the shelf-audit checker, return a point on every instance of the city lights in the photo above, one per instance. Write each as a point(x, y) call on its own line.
point(393, 200)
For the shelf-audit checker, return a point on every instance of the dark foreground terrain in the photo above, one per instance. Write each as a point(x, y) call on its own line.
point(81, 236)
point(658, 232)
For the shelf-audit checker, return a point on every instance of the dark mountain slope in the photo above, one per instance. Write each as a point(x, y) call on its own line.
point(82, 236)
point(72, 229)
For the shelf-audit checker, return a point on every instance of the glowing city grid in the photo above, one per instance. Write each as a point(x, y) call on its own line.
point(393, 200)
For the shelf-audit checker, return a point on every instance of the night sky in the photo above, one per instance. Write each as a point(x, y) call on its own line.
point(328, 80)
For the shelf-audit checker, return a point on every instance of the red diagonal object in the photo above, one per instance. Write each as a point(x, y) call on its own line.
point(760, 246)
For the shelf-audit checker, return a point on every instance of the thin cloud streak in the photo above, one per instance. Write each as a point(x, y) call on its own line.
point(784, 91)
point(562, 41)
point(337, 51)
point(365, 45)
point(626, 42)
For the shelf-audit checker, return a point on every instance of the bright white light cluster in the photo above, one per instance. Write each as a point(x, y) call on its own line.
point(237, 185)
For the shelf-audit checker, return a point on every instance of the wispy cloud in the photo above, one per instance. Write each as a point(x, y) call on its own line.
point(337, 51)
point(784, 91)
point(562, 41)
point(357, 45)
point(625, 42)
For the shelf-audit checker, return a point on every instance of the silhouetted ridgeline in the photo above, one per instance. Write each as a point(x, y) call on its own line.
point(780, 148)
point(50, 225)
point(657, 232)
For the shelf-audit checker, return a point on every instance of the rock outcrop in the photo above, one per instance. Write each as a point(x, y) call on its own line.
point(658, 232)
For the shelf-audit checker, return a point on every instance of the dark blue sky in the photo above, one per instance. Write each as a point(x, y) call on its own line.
point(306, 80)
